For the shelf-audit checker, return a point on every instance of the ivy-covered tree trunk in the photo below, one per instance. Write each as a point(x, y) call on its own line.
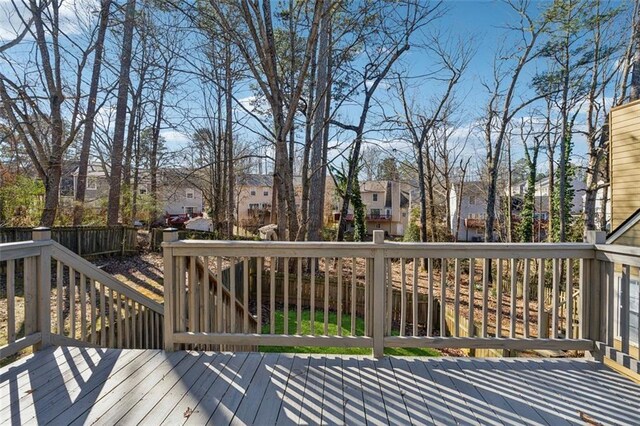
point(563, 196)
point(526, 229)
point(359, 222)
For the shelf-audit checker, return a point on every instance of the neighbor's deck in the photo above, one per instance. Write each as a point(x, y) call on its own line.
point(108, 386)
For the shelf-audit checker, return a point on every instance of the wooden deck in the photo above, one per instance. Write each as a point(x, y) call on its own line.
point(107, 386)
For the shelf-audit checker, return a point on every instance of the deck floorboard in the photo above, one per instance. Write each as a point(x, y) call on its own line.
point(109, 386)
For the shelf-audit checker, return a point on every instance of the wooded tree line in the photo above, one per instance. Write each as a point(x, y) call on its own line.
point(317, 89)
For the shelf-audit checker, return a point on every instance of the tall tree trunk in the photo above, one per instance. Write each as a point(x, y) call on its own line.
point(423, 194)
point(430, 176)
point(509, 197)
point(53, 79)
point(121, 114)
point(562, 172)
point(127, 194)
point(81, 184)
point(155, 144)
point(308, 141)
point(229, 138)
point(318, 166)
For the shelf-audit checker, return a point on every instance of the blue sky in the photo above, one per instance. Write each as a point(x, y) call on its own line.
point(480, 21)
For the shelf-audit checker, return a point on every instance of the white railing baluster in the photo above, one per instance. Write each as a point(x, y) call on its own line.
point(339, 299)
point(471, 329)
point(525, 295)
point(486, 270)
point(569, 299)
point(499, 298)
point(414, 296)
point(326, 296)
point(11, 301)
point(443, 297)
point(541, 312)
point(513, 293)
point(353, 296)
point(625, 294)
point(555, 299)
point(299, 297)
point(403, 298)
point(430, 297)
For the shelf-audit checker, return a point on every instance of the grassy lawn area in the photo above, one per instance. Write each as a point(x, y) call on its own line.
point(305, 325)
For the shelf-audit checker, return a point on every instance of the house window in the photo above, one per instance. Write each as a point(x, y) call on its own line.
point(375, 213)
point(253, 193)
point(188, 210)
point(190, 194)
point(472, 199)
point(254, 206)
point(92, 183)
point(265, 193)
point(375, 197)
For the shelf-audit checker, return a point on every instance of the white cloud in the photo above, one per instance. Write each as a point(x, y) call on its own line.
point(174, 137)
point(74, 14)
point(247, 102)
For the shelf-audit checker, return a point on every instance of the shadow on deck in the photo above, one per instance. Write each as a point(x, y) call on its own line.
point(78, 386)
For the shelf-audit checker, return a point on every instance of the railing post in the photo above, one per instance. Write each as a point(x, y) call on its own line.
point(43, 280)
point(169, 235)
point(378, 295)
point(591, 292)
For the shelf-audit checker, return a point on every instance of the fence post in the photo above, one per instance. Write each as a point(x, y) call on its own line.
point(43, 280)
point(378, 295)
point(169, 235)
point(593, 290)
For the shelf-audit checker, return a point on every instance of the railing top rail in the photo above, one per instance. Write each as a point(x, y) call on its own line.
point(21, 249)
point(391, 249)
point(619, 254)
point(618, 249)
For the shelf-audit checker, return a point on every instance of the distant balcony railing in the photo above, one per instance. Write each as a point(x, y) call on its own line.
point(369, 217)
point(379, 217)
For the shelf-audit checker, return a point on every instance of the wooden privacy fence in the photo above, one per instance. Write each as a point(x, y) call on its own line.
point(360, 294)
point(83, 240)
point(56, 297)
point(183, 234)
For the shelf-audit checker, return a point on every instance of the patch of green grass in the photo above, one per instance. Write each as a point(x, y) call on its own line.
point(318, 327)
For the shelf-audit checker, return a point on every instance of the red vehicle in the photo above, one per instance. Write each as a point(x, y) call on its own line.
point(178, 220)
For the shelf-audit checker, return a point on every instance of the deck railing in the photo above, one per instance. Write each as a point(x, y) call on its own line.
point(54, 296)
point(246, 294)
point(452, 295)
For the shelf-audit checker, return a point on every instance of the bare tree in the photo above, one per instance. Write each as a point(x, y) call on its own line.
point(407, 19)
point(503, 103)
point(423, 127)
point(81, 185)
point(36, 109)
point(256, 43)
point(115, 183)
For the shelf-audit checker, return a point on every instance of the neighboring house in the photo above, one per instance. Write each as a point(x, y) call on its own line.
point(386, 207)
point(255, 195)
point(624, 146)
point(176, 195)
point(470, 209)
point(542, 194)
